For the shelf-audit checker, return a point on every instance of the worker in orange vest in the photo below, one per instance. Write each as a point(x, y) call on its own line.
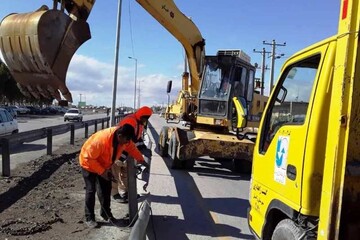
point(96, 158)
point(139, 121)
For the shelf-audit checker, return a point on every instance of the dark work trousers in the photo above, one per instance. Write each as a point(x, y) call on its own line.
point(95, 183)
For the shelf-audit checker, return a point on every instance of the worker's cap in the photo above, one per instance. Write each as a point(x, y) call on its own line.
point(143, 112)
point(127, 131)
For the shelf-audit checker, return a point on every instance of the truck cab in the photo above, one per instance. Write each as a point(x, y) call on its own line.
point(305, 174)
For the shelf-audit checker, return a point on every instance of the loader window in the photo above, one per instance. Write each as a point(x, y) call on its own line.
point(297, 83)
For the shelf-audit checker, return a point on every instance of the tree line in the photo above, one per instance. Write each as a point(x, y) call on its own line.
point(10, 93)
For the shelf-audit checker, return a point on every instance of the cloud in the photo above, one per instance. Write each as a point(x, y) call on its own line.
point(93, 81)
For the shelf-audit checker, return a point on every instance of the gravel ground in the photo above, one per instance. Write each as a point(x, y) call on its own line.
point(44, 199)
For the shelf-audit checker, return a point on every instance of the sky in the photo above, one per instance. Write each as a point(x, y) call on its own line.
point(225, 24)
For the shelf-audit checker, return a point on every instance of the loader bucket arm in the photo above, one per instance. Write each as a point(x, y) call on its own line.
point(184, 30)
point(37, 47)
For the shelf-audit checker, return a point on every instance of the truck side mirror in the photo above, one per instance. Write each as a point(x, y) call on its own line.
point(169, 84)
point(281, 95)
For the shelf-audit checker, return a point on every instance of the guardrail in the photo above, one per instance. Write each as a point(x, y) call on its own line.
point(47, 132)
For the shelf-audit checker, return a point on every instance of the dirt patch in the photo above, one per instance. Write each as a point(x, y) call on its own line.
point(44, 199)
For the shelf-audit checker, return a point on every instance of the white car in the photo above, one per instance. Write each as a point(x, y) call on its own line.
point(8, 125)
point(73, 114)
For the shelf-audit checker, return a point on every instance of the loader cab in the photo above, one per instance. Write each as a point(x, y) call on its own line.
point(225, 77)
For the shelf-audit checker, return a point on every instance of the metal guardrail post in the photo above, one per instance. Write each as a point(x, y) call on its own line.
point(5, 148)
point(72, 134)
point(102, 123)
point(86, 130)
point(49, 141)
point(95, 126)
point(132, 189)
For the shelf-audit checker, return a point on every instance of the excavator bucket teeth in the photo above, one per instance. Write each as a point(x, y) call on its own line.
point(37, 48)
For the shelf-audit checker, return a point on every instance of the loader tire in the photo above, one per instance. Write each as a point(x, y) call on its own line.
point(287, 230)
point(173, 145)
point(162, 144)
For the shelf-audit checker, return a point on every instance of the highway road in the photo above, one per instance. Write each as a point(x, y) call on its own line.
point(32, 150)
point(207, 202)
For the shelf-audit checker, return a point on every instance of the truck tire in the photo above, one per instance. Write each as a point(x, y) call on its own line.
point(287, 230)
point(173, 145)
point(241, 166)
point(162, 144)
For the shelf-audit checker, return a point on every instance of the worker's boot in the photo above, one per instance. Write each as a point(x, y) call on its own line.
point(91, 223)
point(123, 198)
point(108, 217)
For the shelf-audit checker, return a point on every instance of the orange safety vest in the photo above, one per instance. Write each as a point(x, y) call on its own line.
point(97, 152)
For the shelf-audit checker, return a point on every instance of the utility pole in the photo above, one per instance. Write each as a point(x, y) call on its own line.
point(116, 62)
point(263, 68)
point(273, 56)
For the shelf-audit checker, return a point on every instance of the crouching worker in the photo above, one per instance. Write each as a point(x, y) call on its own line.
point(138, 121)
point(96, 158)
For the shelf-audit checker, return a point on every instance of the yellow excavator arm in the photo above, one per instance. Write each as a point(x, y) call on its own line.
point(79, 8)
point(184, 30)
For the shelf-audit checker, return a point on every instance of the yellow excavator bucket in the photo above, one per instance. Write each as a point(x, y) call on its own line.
point(37, 48)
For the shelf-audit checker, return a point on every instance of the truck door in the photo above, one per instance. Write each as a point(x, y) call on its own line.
point(285, 127)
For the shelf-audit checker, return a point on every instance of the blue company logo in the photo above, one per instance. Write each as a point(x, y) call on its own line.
point(279, 153)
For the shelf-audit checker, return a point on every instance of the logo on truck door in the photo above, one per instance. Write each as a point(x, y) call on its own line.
point(281, 155)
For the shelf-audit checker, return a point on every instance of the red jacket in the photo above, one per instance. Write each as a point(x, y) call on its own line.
point(97, 152)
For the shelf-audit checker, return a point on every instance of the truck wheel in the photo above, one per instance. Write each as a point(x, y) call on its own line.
point(287, 230)
point(241, 166)
point(162, 144)
point(173, 145)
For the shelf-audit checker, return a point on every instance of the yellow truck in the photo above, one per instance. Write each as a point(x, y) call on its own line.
point(305, 181)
